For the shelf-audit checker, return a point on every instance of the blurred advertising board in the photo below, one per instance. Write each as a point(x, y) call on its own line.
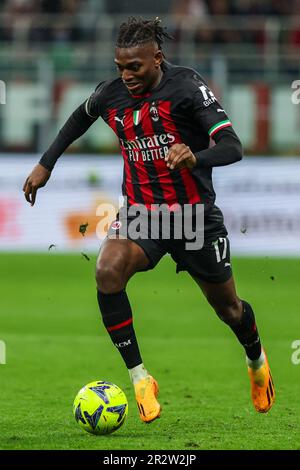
point(260, 199)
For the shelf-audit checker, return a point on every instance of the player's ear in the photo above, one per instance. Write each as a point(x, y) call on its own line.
point(158, 58)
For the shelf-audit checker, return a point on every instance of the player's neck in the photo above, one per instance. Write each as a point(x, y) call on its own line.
point(158, 80)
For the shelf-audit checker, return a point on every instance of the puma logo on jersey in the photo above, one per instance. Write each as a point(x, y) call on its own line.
point(219, 110)
point(120, 120)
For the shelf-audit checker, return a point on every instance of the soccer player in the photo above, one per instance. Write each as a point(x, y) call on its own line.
point(164, 117)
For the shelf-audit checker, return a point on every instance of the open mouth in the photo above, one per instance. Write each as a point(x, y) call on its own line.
point(132, 87)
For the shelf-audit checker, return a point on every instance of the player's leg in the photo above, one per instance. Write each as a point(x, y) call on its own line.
point(239, 316)
point(236, 313)
point(118, 261)
point(211, 268)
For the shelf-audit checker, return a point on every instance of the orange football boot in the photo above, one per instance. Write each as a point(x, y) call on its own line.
point(262, 387)
point(146, 392)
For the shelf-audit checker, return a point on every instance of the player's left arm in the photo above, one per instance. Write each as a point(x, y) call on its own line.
point(228, 149)
point(211, 117)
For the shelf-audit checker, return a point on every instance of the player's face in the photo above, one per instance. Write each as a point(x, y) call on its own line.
point(139, 67)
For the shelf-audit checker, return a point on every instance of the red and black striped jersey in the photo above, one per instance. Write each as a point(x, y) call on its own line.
point(181, 109)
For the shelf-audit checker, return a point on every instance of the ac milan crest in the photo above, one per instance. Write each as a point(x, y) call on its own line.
point(154, 112)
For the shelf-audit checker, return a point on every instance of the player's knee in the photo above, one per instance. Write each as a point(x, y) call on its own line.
point(230, 312)
point(110, 278)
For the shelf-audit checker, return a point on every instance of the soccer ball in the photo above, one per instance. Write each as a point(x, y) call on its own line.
point(100, 407)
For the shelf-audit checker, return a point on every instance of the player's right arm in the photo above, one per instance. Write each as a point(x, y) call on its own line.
point(77, 124)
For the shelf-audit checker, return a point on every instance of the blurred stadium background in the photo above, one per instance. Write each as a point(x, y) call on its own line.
point(52, 55)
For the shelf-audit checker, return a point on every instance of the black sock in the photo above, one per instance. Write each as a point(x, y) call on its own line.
point(247, 334)
point(117, 318)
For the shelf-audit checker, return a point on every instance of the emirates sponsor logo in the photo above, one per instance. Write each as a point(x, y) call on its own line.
point(149, 142)
point(150, 148)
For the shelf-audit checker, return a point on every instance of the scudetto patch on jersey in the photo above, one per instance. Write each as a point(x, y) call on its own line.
point(136, 117)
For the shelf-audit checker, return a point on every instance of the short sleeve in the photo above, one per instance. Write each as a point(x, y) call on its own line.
point(94, 105)
point(207, 111)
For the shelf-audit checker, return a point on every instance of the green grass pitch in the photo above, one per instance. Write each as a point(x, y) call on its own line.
point(56, 343)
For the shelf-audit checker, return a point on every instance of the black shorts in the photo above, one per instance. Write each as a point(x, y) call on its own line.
point(211, 263)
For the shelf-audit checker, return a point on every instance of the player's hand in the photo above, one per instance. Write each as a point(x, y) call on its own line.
point(37, 179)
point(180, 156)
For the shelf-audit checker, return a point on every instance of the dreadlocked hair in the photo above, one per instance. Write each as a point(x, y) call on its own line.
point(136, 32)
